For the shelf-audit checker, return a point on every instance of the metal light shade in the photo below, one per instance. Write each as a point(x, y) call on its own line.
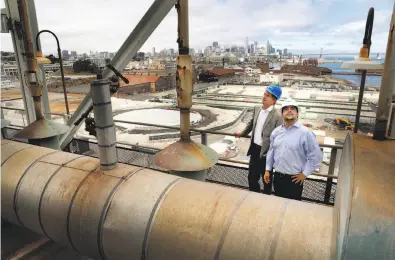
point(186, 156)
point(362, 64)
point(41, 59)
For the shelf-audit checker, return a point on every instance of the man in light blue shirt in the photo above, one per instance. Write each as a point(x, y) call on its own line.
point(294, 154)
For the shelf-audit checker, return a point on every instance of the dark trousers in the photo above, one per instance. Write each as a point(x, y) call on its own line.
point(284, 187)
point(256, 169)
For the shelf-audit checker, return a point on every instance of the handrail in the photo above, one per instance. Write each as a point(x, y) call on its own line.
point(202, 131)
point(22, 109)
point(335, 147)
point(221, 159)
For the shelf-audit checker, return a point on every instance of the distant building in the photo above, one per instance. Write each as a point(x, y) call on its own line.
point(142, 84)
point(252, 70)
point(73, 54)
point(217, 74)
point(285, 52)
point(215, 45)
point(270, 78)
point(263, 66)
point(157, 65)
point(306, 70)
point(65, 54)
point(100, 62)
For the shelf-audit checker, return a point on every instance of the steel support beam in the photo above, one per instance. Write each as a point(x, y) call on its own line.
point(34, 29)
point(152, 18)
point(387, 89)
point(17, 42)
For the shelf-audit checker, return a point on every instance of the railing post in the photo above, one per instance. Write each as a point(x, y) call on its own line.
point(331, 171)
point(203, 137)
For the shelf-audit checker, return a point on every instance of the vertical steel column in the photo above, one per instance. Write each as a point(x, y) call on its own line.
point(105, 128)
point(185, 158)
point(34, 29)
point(17, 42)
point(387, 89)
point(30, 60)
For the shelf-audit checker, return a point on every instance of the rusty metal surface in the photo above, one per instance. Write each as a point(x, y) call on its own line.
point(195, 225)
point(262, 235)
point(186, 156)
point(12, 171)
point(368, 227)
point(41, 128)
point(136, 199)
point(60, 160)
point(86, 212)
point(84, 163)
point(184, 81)
point(9, 148)
point(55, 203)
point(281, 230)
point(27, 204)
point(306, 232)
point(134, 213)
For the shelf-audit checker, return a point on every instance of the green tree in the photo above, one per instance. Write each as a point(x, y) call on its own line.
point(84, 65)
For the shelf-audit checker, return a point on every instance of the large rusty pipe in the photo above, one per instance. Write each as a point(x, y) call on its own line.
point(136, 213)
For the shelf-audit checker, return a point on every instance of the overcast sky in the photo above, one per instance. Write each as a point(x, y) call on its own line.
point(299, 25)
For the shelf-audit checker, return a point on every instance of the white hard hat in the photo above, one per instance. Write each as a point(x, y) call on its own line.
point(289, 102)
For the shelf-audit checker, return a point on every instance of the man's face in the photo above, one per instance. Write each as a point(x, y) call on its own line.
point(290, 113)
point(268, 100)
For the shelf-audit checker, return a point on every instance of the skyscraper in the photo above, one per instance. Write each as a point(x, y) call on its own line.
point(246, 47)
point(215, 45)
point(285, 52)
point(153, 51)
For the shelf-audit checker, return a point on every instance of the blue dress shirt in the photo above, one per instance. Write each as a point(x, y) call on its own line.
point(293, 150)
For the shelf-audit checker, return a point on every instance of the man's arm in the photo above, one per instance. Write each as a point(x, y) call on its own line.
point(248, 127)
point(270, 153)
point(313, 154)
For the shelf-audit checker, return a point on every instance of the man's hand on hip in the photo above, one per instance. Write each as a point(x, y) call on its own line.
point(298, 178)
point(266, 177)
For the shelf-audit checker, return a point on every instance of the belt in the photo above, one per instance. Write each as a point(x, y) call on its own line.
point(284, 174)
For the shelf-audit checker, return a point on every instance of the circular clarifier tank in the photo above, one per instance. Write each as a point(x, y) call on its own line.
point(157, 116)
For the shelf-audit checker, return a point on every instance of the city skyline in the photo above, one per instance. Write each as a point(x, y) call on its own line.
point(300, 26)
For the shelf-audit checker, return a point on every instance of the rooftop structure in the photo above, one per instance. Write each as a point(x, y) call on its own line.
point(133, 211)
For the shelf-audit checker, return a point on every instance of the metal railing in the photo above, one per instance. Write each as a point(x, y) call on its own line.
point(326, 186)
point(64, 116)
point(203, 136)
